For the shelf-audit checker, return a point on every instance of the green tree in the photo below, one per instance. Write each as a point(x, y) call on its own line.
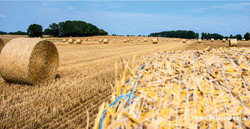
point(2, 32)
point(35, 30)
point(238, 36)
point(196, 35)
point(47, 32)
point(79, 28)
point(17, 33)
point(247, 36)
point(54, 29)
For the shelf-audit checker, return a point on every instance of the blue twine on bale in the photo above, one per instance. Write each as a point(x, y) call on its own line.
point(120, 99)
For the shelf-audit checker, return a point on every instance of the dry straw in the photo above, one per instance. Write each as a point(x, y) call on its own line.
point(184, 41)
point(145, 40)
point(233, 42)
point(124, 40)
point(64, 40)
point(105, 41)
point(155, 41)
point(100, 41)
point(212, 39)
point(29, 61)
point(71, 41)
point(1, 45)
point(223, 40)
point(199, 40)
point(79, 41)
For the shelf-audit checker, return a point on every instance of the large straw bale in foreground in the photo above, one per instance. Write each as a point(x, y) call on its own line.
point(1, 45)
point(212, 39)
point(233, 42)
point(29, 61)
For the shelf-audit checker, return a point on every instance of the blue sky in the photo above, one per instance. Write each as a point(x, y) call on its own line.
point(131, 17)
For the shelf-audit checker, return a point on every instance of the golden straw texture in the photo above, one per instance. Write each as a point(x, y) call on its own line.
point(29, 61)
point(155, 41)
point(71, 41)
point(183, 89)
point(233, 42)
point(1, 45)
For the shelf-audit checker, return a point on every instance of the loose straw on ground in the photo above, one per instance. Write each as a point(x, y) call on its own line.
point(29, 61)
point(183, 89)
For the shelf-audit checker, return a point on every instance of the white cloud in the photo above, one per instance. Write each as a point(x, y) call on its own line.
point(71, 7)
point(44, 4)
point(2, 16)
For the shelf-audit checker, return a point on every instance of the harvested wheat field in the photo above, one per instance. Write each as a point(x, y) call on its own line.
point(89, 72)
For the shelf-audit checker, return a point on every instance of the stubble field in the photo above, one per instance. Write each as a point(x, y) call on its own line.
point(87, 75)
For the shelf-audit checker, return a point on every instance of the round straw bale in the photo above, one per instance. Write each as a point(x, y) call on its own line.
point(223, 40)
point(79, 41)
point(155, 41)
point(64, 40)
point(71, 41)
point(212, 39)
point(199, 40)
point(105, 41)
point(243, 39)
point(1, 45)
point(29, 61)
point(184, 40)
point(145, 40)
point(233, 42)
point(100, 41)
point(125, 40)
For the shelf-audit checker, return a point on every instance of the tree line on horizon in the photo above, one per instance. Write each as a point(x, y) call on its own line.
point(192, 35)
point(62, 29)
point(81, 28)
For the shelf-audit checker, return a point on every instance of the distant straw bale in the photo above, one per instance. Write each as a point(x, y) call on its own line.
point(233, 42)
point(184, 41)
point(212, 39)
point(105, 41)
point(64, 40)
point(71, 41)
point(223, 40)
point(29, 61)
point(79, 41)
point(199, 40)
point(155, 41)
